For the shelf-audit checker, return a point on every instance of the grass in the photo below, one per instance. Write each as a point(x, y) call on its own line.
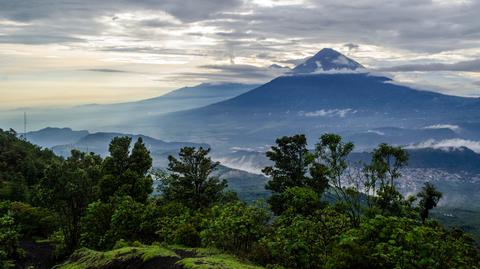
point(196, 258)
point(86, 258)
point(219, 261)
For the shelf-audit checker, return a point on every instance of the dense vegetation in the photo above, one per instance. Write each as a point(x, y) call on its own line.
point(96, 212)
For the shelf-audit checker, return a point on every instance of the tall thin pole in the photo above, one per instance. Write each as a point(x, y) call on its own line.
point(25, 126)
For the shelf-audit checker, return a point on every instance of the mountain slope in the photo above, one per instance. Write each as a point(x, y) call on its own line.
point(314, 104)
point(118, 117)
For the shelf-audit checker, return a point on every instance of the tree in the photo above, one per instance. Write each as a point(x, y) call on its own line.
point(429, 198)
point(125, 172)
point(67, 188)
point(386, 163)
point(22, 165)
point(331, 153)
point(381, 172)
point(292, 161)
point(191, 181)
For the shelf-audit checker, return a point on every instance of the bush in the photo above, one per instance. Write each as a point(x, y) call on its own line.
point(236, 226)
point(180, 225)
point(303, 241)
point(96, 226)
point(393, 242)
point(34, 221)
point(9, 240)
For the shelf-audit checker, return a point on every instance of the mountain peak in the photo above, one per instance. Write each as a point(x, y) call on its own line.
point(326, 60)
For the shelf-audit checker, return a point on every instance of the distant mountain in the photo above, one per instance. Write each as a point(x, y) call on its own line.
point(49, 137)
point(118, 117)
point(449, 159)
point(327, 60)
point(345, 103)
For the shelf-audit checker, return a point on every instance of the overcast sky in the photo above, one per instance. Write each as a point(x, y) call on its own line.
point(65, 52)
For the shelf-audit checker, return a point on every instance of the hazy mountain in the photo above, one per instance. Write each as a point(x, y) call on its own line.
point(49, 137)
point(346, 103)
point(118, 117)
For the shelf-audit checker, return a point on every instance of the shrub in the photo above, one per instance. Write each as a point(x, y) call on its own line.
point(236, 226)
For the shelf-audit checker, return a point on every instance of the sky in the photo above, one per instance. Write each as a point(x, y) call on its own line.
point(71, 52)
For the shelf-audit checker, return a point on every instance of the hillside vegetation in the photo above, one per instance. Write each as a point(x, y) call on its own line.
point(86, 211)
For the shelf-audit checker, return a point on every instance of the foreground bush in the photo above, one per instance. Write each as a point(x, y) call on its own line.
point(235, 226)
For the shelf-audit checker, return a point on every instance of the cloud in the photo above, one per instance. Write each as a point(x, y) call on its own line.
point(327, 113)
point(37, 39)
point(351, 46)
point(466, 66)
point(105, 70)
point(237, 72)
point(448, 143)
point(443, 126)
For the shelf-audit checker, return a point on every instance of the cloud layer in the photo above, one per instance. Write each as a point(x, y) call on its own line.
point(201, 40)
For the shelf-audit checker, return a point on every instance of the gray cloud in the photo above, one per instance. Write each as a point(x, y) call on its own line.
point(106, 70)
point(466, 66)
point(236, 72)
point(37, 39)
point(415, 25)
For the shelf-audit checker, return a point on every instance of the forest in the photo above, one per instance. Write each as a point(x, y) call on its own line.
point(86, 211)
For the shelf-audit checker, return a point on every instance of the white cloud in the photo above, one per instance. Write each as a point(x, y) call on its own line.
point(443, 126)
point(448, 143)
point(327, 113)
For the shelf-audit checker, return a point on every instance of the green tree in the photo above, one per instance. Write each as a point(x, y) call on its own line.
point(429, 198)
point(125, 172)
point(67, 189)
point(381, 173)
point(292, 161)
point(190, 180)
point(332, 153)
point(22, 165)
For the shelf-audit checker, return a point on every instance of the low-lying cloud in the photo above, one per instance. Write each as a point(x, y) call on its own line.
point(448, 143)
point(465, 66)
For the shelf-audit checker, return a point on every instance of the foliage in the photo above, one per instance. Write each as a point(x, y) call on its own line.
point(67, 188)
point(9, 240)
point(331, 153)
point(96, 226)
point(304, 242)
point(22, 165)
point(191, 181)
point(235, 226)
point(297, 200)
point(393, 242)
point(180, 225)
point(34, 221)
point(125, 172)
point(292, 161)
point(429, 197)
